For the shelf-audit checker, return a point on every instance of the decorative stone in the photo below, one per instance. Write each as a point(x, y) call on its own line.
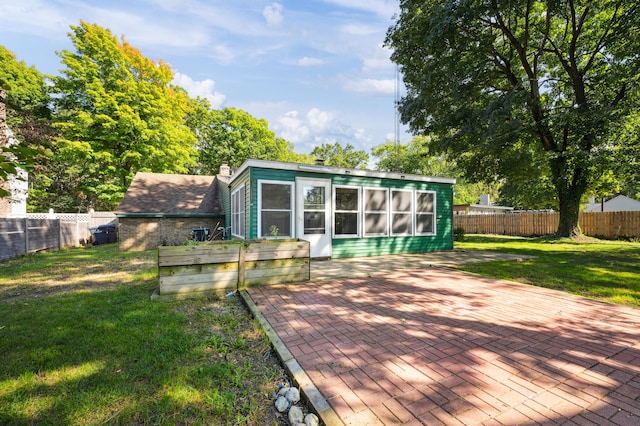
point(311, 420)
point(282, 404)
point(296, 415)
point(293, 395)
point(283, 390)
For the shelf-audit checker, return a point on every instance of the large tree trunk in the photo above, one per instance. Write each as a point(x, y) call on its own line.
point(571, 184)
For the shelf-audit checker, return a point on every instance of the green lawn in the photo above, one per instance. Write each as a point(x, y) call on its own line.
point(81, 343)
point(604, 270)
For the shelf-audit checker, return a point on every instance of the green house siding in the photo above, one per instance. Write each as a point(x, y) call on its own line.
point(364, 246)
point(242, 179)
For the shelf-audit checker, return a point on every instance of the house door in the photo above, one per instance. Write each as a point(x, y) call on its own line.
point(313, 214)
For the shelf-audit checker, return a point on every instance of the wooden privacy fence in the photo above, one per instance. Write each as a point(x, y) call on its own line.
point(42, 231)
point(229, 265)
point(594, 224)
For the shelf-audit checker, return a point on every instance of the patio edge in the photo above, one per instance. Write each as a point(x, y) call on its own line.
point(307, 388)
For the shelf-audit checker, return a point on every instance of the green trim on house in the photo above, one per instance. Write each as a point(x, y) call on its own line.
point(253, 171)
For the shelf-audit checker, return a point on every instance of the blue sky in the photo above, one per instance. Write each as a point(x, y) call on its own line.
point(316, 70)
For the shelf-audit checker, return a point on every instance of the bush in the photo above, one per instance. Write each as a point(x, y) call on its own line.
point(458, 234)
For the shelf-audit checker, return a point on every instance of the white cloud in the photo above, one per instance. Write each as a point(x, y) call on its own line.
point(33, 17)
point(360, 29)
point(310, 62)
point(318, 127)
point(379, 60)
point(204, 89)
point(320, 121)
point(371, 86)
point(273, 14)
point(383, 8)
point(292, 128)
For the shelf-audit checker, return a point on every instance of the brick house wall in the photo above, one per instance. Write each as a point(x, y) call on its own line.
point(147, 233)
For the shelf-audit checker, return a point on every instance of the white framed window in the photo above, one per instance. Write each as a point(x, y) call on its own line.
point(425, 212)
point(376, 216)
point(238, 212)
point(275, 209)
point(401, 212)
point(346, 212)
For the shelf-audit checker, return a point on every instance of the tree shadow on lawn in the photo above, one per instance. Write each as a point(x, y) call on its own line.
point(448, 344)
point(113, 356)
point(610, 276)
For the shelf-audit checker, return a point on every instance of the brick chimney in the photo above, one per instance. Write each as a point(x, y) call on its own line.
point(225, 170)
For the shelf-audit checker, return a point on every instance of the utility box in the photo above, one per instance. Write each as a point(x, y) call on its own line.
point(200, 234)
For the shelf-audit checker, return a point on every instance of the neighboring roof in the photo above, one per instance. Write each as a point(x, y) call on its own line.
point(338, 171)
point(158, 194)
point(620, 203)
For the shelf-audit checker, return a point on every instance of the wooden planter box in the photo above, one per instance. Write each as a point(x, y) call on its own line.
point(224, 266)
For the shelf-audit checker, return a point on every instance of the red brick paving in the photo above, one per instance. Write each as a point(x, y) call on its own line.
point(437, 346)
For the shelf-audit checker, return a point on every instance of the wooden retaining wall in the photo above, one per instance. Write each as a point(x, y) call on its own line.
point(223, 266)
point(594, 224)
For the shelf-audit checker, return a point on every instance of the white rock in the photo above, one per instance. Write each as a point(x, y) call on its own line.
point(282, 404)
point(283, 390)
point(293, 395)
point(311, 420)
point(296, 415)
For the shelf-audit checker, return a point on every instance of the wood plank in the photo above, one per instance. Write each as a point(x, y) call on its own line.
point(281, 254)
point(277, 279)
point(199, 278)
point(276, 272)
point(276, 245)
point(198, 259)
point(217, 286)
point(241, 265)
point(198, 249)
point(197, 269)
point(194, 255)
point(275, 264)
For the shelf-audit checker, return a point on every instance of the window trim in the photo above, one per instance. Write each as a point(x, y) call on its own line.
point(410, 213)
point(358, 211)
point(433, 214)
point(241, 214)
point(291, 210)
point(365, 211)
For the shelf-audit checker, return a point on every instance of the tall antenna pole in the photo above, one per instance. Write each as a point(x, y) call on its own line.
point(397, 117)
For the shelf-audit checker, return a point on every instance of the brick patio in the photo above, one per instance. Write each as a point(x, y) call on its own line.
point(437, 346)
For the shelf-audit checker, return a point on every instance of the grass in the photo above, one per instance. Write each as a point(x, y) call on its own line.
point(82, 343)
point(599, 269)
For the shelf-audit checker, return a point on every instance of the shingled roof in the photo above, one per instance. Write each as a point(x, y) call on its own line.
point(175, 195)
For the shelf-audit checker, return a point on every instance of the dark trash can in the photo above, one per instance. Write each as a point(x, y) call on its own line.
point(105, 234)
point(200, 234)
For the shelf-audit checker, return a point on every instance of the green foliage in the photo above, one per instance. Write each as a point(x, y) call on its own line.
point(25, 86)
point(117, 114)
point(513, 87)
point(420, 158)
point(338, 156)
point(90, 348)
point(604, 270)
point(23, 102)
point(232, 136)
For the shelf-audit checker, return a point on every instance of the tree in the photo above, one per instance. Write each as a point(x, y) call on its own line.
point(338, 156)
point(413, 157)
point(416, 157)
point(117, 114)
point(232, 136)
point(23, 108)
point(503, 83)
